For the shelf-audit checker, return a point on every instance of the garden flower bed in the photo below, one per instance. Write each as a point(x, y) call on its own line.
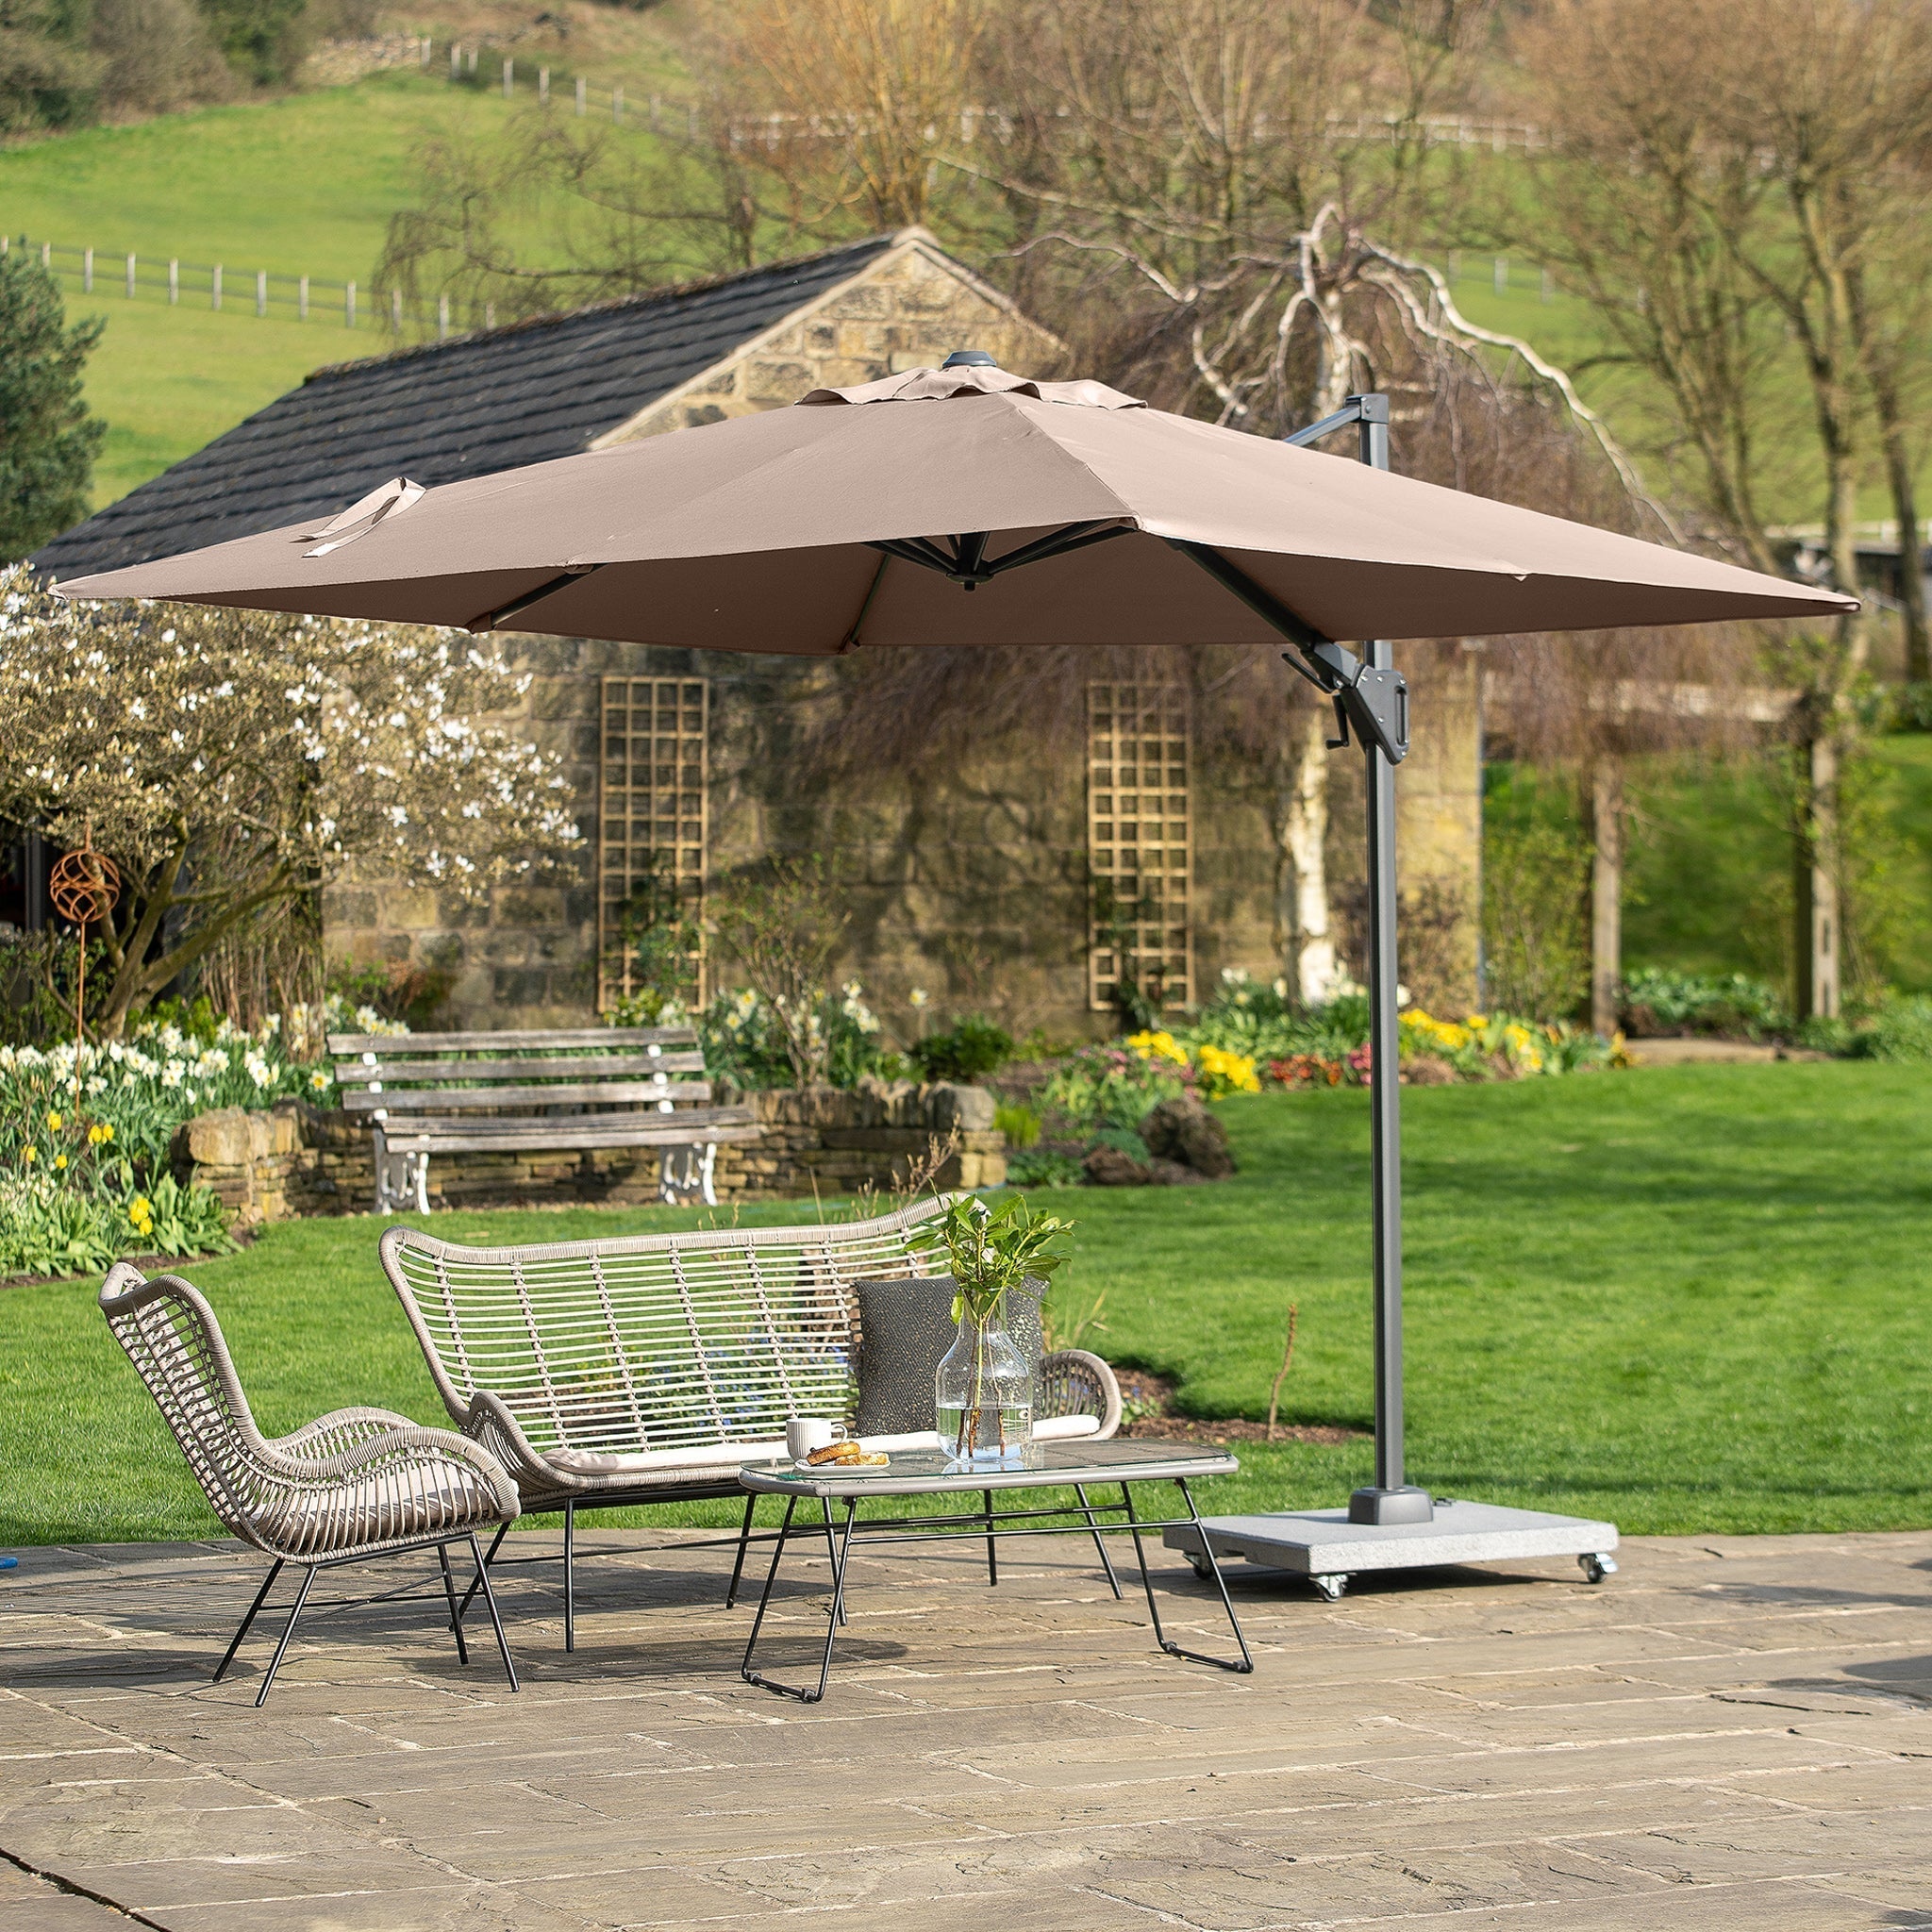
point(86, 1130)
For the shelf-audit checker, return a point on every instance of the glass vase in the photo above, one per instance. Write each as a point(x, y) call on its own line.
point(983, 1398)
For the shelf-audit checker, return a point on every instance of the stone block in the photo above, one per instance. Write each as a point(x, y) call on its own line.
point(950, 1105)
point(220, 1139)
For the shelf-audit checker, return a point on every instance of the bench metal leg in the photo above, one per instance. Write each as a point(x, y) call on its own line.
point(993, 1561)
point(422, 1179)
point(710, 1158)
point(570, 1576)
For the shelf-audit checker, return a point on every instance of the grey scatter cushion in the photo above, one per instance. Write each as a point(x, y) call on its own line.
point(904, 1327)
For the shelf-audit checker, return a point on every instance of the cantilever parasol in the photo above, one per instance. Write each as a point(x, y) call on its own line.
point(970, 506)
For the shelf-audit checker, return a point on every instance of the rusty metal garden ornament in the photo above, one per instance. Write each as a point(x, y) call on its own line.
point(85, 887)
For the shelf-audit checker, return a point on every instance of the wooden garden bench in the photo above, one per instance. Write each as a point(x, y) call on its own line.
point(582, 1088)
point(647, 1368)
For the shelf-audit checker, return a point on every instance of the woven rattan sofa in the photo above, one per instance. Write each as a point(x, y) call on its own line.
point(646, 1369)
point(355, 1484)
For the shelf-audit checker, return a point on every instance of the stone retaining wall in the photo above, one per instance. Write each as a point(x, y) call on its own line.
point(298, 1159)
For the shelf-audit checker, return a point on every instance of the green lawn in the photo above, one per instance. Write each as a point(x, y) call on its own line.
point(1689, 1298)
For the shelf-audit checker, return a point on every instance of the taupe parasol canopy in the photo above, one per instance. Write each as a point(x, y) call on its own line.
point(858, 516)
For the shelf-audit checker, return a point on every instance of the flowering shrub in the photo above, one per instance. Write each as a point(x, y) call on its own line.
point(1212, 1069)
point(746, 1040)
point(1115, 1086)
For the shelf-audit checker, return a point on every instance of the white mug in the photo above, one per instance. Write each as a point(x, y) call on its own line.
point(804, 1433)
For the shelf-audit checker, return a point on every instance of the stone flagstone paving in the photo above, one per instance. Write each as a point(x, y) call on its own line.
point(1732, 1733)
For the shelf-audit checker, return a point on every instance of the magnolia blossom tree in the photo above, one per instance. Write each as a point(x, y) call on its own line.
point(229, 763)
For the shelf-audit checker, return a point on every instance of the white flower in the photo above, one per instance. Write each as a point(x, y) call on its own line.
point(171, 1074)
point(918, 996)
point(259, 1070)
point(96, 1085)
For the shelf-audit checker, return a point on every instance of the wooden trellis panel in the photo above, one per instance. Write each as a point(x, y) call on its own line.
point(652, 814)
point(1139, 841)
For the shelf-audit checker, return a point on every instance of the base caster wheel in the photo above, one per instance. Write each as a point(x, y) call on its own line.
point(1597, 1566)
point(1330, 1587)
point(1201, 1569)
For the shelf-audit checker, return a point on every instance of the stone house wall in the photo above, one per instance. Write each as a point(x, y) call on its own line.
point(970, 882)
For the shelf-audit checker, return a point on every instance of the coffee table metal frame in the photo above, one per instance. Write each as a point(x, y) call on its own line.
point(1076, 1466)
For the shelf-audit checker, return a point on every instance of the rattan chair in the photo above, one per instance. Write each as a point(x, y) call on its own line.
point(355, 1484)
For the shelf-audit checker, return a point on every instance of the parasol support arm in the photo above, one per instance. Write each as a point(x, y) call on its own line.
point(489, 620)
point(1374, 701)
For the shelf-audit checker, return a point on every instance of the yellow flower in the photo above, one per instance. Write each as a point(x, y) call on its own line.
point(29, 1155)
point(55, 1123)
point(1153, 1046)
point(100, 1136)
point(59, 1160)
point(1227, 1072)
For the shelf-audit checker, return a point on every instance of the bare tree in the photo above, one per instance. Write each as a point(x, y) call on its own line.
point(1724, 232)
point(860, 100)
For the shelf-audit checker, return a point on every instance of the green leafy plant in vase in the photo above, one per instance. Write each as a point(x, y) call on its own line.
point(983, 1387)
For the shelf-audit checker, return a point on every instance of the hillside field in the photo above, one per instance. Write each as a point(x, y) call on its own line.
point(306, 184)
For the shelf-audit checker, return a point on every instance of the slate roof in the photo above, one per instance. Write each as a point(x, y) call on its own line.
point(448, 411)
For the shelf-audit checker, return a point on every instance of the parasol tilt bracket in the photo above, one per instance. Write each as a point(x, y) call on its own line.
point(1372, 699)
point(1375, 702)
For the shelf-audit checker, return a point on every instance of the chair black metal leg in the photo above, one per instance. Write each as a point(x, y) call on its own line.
point(449, 1589)
point(495, 1621)
point(1099, 1542)
point(751, 1503)
point(260, 1598)
point(570, 1576)
point(1247, 1662)
point(992, 1561)
point(489, 1556)
point(274, 1663)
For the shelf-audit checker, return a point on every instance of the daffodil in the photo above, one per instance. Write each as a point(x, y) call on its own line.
point(55, 1123)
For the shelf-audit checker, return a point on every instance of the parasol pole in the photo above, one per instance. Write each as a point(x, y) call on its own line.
point(1371, 698)
point(1390, 1499)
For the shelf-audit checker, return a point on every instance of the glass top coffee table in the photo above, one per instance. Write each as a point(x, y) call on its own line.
point(1081, 1467)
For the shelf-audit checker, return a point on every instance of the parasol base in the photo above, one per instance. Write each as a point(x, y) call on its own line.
point(1406, 1505)
point(1327, 1548)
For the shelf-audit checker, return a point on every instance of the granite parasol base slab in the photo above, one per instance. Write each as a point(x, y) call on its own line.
point(1327, 1548)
